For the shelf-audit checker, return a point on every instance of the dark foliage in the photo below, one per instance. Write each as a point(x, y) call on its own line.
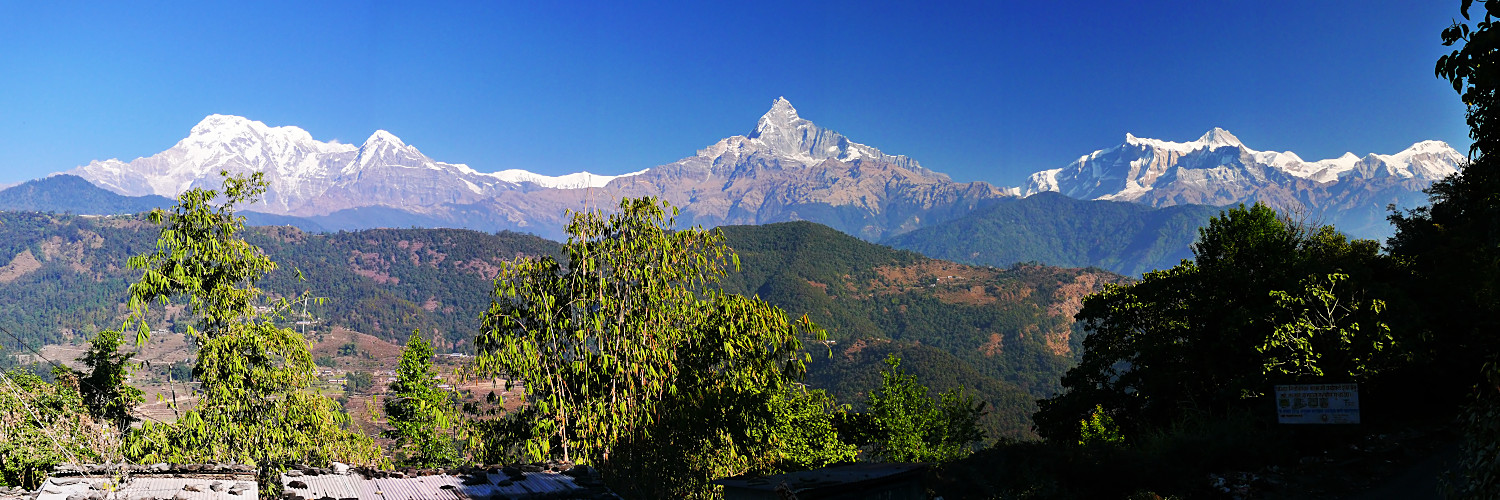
point(1211, 337)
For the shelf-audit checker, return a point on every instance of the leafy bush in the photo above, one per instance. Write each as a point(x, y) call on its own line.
point(1099, 429)
point(420, 413)
point(44, 424)
point(908, 425)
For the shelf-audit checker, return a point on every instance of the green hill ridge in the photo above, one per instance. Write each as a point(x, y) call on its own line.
point(1126, 238)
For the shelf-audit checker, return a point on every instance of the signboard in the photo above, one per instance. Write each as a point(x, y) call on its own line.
point(1317, 404)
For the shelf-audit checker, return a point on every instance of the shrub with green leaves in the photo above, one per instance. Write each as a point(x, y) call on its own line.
point(1099, 429)
point(44, 424)
point(908, 425)
point(105, 388)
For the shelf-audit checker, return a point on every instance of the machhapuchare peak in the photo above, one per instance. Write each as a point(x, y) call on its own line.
point(785, 168)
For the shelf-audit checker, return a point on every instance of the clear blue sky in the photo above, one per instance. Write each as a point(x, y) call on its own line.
point(983, 91)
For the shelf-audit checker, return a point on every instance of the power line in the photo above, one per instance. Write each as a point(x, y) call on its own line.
point(41, 426)
point(37, 416)
point(54, 364)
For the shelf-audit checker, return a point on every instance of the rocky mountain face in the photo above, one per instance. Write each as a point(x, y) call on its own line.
point(1217, 169)
point(789, 169)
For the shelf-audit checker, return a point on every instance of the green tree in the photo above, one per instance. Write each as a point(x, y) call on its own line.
point(256, 405)
point(419, 412)
point(1266, 301)
point(181, 371)
point(627, 351)
point(200, 254)
point(358, 382)
point(105, 388)
point(908, 425)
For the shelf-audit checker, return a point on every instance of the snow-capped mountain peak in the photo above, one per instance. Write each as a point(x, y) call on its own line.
point(782, 133)
point(218, 124)
point(1218, 138)
point(1438, 147)
point(1211, 140)
point(382, 137)
point(384, 148)
point(781, 120)
point(577, 180)
point(217, 128)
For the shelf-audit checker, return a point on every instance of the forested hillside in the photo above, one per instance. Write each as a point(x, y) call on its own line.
point(387, 282)
point(1053, 229)
point(64, 276)
point(1006, 334)
point(67, 275)
point(72, 194)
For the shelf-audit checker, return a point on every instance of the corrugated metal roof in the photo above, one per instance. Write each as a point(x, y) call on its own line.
point(147, 487)
point(467, 484)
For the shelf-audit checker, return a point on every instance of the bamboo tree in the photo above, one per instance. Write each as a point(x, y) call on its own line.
point(626, 351)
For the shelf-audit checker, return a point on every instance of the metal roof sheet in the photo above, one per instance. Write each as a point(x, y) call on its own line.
point(148, 487)
point(492, 483)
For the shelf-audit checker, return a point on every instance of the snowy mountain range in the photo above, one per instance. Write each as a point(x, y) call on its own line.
point(1217, 169)
point(785, 168)
point(1142, 169)
point(311, 177)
